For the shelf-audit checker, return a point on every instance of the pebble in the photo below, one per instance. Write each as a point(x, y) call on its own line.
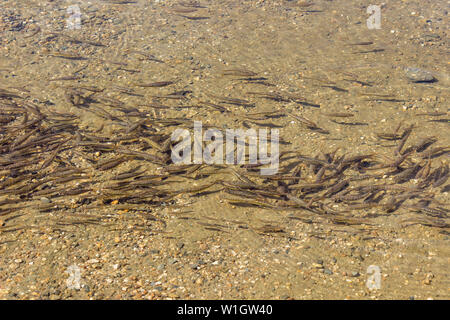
point(355, 274)
point(160, 267)
point(194, 266)
point(201, 262)
point(419, 75)
point(45, 200)
point(92, 261)
point(328, 271)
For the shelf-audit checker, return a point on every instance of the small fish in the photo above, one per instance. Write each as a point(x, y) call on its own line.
point(184, 10)
point(109, 164)
point(340, 114)
point(65, 78)
point(235, 101)
point(309, 124)
point(363, 43)
point(146, 55)
point(432, 114)
point(349, 123)
point(74, 40)
point(36, 30)
point(129, 70)
point(440, 120)
point(194, 18)
point(363, 83)
point(335, 88)
point(300, 4)
point(215, 106)
point(370, 51)
point(239, 73)
point(67, 56)
point(155, 84)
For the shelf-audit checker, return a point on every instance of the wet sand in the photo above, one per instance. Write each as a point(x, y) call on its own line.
point(87, 183)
